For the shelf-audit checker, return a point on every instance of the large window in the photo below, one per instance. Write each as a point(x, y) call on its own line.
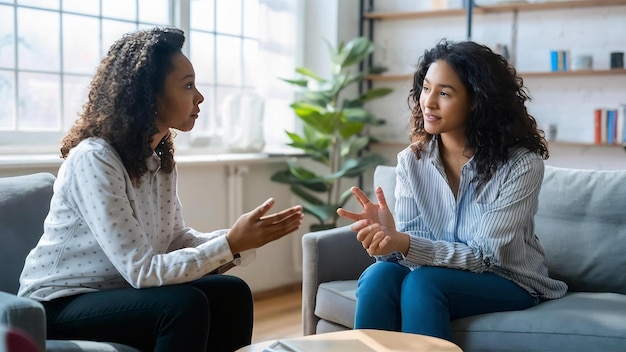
point(49, 50)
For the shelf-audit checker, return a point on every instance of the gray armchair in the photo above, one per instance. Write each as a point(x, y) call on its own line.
point(332, 260)
point(24, 204)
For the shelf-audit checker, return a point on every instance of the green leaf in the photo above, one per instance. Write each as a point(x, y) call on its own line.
point(306, 196)
point(367, 119)
point(325, 123)
point(356, 166)
point(316, 98)
point(296, 139)
point(323, 213)
point(287, 177)
point(354, 52)
point(297, 82)
point(356, 78)
point(309, 73)
point(311, 210)
point(350, 129)
point(354, 144)
point(374, 93)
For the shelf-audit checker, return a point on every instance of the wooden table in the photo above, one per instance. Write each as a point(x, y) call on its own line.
point(360, 340)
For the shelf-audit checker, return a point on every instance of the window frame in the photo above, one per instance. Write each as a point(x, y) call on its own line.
point(12, 141)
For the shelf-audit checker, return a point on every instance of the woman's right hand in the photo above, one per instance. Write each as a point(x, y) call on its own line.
point(255, 229)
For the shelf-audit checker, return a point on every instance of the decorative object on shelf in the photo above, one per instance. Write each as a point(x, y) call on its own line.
point(582, 62)
point(334, 132)
point(617, 59)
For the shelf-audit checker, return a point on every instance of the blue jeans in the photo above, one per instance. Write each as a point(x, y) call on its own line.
point(424, 301)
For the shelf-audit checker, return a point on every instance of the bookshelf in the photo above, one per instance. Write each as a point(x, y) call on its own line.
point(572, 73)
point(504, 7)
point(509, 12)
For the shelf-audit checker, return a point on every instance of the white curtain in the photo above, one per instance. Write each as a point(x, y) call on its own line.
point(281, 24)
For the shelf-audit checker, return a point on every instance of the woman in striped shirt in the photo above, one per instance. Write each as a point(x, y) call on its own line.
point(461, 240)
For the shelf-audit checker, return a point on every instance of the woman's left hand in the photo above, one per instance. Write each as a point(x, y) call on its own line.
point(375, 226)
point(375, 213)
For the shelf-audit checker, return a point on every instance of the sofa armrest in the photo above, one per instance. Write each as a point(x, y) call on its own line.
point(328, 255)
point(25, 314)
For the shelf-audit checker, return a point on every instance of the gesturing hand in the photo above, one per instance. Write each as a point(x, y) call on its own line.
point(375, 226)
point(253, 229)
point(374, 213)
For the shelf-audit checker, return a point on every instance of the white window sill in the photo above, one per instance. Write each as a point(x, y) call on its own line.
point(268, 155)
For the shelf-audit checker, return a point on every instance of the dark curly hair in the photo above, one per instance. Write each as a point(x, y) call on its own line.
point(498, 120)
point(122, 103)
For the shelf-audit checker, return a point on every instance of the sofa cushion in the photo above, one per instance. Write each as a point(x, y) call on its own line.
point(581, 321)
point(336, 302)
point(24, 204)
point(581, 222)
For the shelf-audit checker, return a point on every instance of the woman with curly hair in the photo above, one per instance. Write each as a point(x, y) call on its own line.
point(116, 261)
point(461, 241)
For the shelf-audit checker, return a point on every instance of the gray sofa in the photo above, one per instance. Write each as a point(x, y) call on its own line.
point(581, 223)
point(24, 204)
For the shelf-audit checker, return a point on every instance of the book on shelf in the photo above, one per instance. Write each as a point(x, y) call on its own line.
point(609, 125)
point(559, 60)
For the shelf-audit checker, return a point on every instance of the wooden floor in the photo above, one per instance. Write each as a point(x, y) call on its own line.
point(278, 315)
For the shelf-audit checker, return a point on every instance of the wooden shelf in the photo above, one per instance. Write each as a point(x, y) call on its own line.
point(562, 144)
point(505, 7)
point(573, 73)
point(411, 15)
point(547, 5)
point(581, 144)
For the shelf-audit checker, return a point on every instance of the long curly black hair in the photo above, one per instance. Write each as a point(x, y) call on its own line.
point(498, 120)
point(122, 103)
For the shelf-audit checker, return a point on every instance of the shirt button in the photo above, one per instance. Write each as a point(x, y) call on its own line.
point(223, 261)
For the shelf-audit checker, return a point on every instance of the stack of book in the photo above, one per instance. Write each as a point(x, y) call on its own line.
point(609, 125)
point(559, 60)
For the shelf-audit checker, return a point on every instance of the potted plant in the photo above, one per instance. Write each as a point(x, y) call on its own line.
point(334, 133)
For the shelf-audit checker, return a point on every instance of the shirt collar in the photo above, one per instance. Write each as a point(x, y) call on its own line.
point(432, 153)
point(153, 162)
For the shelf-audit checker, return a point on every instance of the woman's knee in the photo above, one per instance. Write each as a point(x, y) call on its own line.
point(238, 287)
point(219, 288)
point(187, 301)
point(426, 279)
point(382, 274)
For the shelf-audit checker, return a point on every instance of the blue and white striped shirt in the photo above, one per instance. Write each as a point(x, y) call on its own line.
point(483, 229)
